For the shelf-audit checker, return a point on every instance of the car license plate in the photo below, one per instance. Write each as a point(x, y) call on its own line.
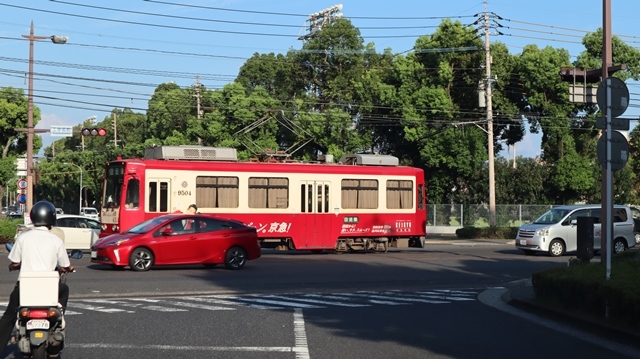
point(523, 242)
point(38, 324)
point(94, 254)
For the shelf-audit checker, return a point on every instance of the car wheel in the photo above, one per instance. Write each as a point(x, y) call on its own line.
point(637, 235)
point(141, 259)
point(235, 258)
point(619, 246)
point(556, 248)
point(529, 252)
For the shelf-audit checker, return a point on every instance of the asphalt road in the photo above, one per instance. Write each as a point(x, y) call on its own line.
point(440, 302)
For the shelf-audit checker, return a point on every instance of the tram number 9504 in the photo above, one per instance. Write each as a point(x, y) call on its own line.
point(184, 193)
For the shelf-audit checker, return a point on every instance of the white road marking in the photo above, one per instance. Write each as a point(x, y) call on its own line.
point(77, 305)
point(156, 308)
point(300, 333)
point(389, 300)
point(315, 301)
point(281, 303)
point(178, 347)
point(216, 300)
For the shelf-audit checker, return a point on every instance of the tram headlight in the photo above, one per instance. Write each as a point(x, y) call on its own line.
point(115, 228)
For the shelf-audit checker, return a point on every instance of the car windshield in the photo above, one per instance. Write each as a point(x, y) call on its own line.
point(90, 211)
point(552, 216)
point(147, 225)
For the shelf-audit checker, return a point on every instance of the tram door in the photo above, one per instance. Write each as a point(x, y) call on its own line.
point(315, 208)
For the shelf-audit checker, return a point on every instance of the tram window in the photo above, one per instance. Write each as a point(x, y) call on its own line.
point(323, 198)
point(133, 193)
point(153, 196)
point(399, 194)
point(420, 196)
point(164, 197)
point(303, 198)
point(217, 192)
point(268, 192)
point(359, 194)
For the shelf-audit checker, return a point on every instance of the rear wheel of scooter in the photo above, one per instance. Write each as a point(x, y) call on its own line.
point(141, 259)
point(40, 352)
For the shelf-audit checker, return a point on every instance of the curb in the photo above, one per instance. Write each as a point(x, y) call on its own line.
point(528, 302)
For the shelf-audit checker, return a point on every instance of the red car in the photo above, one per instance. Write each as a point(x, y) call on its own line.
point(179, 239)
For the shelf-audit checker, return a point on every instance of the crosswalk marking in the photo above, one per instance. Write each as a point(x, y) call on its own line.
point(269, 301)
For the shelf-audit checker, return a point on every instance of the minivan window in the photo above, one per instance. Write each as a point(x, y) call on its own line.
point(552, 216)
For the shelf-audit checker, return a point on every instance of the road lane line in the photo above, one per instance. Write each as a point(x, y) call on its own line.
point(178, 347)
point(302, 347)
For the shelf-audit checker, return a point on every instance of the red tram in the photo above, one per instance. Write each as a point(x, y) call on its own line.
point(367, 202)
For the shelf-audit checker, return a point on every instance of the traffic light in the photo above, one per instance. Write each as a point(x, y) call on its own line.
point(93, 131)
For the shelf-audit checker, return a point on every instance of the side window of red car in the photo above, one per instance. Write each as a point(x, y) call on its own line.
point(211, 225)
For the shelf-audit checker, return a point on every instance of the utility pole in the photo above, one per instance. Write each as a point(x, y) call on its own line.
point(30, 130)
point(488, 85)
point(115, 130)
point(198, 111)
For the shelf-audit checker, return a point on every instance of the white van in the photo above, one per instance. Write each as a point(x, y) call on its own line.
point(555, 232)
point(90, 212)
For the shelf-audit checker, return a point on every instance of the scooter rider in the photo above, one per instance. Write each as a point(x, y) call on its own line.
point(36, 250)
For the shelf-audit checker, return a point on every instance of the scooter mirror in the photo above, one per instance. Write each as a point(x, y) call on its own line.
point(76, 254)
point(8, 246)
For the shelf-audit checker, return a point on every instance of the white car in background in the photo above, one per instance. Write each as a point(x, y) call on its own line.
point(90, 212)
point(80, 232)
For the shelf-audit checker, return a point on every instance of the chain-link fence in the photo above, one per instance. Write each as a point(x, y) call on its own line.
point(477, 215)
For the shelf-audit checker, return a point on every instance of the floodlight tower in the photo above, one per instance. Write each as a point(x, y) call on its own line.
point(318, 19)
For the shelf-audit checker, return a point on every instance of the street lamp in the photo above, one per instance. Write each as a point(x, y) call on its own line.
point(56, 39)
point(80, 192)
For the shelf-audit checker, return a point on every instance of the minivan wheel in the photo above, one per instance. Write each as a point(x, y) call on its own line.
point(619, 246)
point(556, 248)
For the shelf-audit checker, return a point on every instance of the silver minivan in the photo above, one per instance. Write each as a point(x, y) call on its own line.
point(555, 232)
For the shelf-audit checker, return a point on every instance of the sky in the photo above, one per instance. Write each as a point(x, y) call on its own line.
point(119, 51)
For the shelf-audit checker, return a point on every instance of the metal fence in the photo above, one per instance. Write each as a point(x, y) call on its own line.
point(477, 215)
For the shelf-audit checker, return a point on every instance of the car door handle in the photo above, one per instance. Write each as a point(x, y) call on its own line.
point(193, 237)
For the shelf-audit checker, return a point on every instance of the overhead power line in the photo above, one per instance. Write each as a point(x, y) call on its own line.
point(305, 15)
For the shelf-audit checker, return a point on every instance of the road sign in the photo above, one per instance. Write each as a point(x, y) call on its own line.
point(619, 96)
point(22, 183)
point(61, 131)
point(22, 198)
point(619, 150)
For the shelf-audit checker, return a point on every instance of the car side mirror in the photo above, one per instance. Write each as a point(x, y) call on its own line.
point(166, 231)
point(76, 254)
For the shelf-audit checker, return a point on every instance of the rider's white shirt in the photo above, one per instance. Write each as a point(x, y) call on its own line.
point(38, 250)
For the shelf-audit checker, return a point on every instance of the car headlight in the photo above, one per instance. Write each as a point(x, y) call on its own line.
point(542, 232)
point(117, 243)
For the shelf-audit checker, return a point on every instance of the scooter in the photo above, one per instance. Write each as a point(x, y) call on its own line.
point(40, 325)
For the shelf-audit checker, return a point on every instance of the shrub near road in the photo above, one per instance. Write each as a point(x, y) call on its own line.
point(583, 289)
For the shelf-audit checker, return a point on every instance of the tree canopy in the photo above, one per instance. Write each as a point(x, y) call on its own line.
point(337, 95)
